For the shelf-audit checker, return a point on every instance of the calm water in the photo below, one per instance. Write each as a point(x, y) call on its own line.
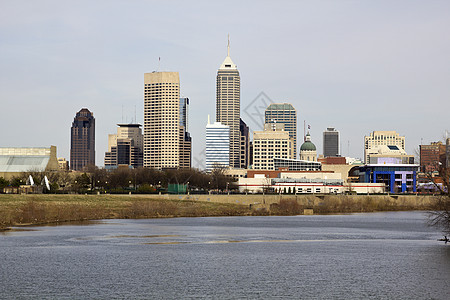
point(362, 256)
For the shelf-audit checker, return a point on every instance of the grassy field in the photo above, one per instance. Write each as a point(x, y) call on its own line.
point(41, 209)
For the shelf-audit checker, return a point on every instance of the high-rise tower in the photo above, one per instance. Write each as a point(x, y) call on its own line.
point(162, 120)
point(126, 147)
point(185, 136)
point(330, 142)
point(82, 140)
point(228, 98)
point(286, 114)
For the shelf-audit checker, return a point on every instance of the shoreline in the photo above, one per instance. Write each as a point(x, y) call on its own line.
point(46, 209)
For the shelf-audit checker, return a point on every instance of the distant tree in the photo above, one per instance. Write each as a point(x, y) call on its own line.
point(440, 216)
point(17, 181)
point(3, 183)
point(219, 179)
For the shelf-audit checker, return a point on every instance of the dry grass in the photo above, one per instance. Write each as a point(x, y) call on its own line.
point(40, 209)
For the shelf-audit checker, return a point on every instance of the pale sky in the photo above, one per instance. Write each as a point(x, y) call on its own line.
point(358, 66)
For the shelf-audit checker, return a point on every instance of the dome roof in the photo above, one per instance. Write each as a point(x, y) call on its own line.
point(308, 146)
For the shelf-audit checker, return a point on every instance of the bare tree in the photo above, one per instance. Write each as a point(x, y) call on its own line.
point(440, 216)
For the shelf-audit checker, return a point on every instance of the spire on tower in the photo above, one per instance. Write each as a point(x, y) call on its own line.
point(228, 47)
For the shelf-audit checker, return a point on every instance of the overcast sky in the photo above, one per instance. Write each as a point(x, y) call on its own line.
point(358, 66)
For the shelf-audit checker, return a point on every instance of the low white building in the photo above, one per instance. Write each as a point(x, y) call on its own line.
point(307, 183)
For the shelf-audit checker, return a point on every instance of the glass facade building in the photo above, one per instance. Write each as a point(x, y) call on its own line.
point(217, 146)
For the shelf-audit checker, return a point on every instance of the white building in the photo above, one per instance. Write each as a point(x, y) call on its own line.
point(307, 183)
point(269, 144)
point(392, 154)
point(217, 145)
point(378, 138)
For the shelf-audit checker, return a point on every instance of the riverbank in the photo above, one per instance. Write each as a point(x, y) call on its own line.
point(17, 210)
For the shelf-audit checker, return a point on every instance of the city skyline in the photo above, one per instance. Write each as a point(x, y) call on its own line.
point(365, 67)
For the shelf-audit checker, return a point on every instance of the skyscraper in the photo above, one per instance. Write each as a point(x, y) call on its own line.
point(228, 98)
point(185, 137)
point(82, 140)
point(286, 114)
point(217, 145)
point(330, 142)
point(245, 145)
point(184, 104)
point(162, 120)
point(126, 147)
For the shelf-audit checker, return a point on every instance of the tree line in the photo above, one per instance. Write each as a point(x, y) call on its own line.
point(139, 180)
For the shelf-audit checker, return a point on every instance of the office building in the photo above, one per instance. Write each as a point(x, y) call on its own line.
point(63, 164)
point(378, 138)
point(126, 147)
point(245, 145)
point(82, 140)
point(185, 137)
point(162, 120)
point(286, 114)
point(217, 145)
point(432, 157)
point(330, 142)
point(308, 150)
point(185, 149)
point(228, 95)
point(270, 144)
point(184, 105)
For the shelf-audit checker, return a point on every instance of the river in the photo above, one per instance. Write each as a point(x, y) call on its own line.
point(390, 255)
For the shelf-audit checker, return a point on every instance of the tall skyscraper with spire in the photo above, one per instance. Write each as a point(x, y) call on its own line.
point(228, 108)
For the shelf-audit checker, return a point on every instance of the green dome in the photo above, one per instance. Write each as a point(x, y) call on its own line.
point(308, 146)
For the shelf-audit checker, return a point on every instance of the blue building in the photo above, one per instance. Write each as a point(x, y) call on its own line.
point(398, 178)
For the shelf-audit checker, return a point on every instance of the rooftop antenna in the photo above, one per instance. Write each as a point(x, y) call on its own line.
point(304, 130)
point(122, 113)
point(159, 63)
point(228, 47)
point(135, 121)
